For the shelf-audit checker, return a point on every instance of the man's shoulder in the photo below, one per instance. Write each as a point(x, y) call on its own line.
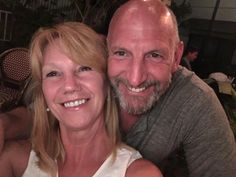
point(186, 89)
point(185, 81)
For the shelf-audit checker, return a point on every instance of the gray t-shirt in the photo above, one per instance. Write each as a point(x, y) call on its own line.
point(188, 114)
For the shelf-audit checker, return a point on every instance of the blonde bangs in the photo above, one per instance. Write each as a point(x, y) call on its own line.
point(83, 46)
point(77, 41)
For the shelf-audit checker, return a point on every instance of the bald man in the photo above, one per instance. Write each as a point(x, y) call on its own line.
point(163, 106)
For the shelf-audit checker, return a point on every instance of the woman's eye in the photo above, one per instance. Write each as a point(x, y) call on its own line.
point(52, 74)
point(85, 68)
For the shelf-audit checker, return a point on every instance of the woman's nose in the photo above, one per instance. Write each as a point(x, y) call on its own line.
point(71, 84)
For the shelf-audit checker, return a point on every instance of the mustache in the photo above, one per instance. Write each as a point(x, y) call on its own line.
point(145, 84)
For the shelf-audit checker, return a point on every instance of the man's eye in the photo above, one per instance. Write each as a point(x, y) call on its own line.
point(155, 55)
point(52, 74)
point(120, 53)
point(85, 68)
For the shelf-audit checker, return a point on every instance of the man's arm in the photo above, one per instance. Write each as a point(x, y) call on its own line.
point(210, 146)
point(1, 135)
point(15, 124)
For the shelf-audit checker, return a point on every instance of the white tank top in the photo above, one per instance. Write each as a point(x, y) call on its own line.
point(125, 156)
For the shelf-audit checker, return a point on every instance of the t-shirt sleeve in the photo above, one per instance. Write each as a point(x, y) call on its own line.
point(209, 142)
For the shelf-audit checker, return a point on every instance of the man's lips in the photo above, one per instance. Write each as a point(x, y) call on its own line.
point(136, 89)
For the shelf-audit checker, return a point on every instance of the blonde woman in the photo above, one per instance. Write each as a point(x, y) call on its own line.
point(75, 131)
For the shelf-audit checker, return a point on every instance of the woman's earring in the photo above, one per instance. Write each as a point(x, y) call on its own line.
point(47, 109)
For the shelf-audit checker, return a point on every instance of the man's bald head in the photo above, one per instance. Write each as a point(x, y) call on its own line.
point(144, 13)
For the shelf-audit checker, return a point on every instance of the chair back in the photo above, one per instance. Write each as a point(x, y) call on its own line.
point(15, 73)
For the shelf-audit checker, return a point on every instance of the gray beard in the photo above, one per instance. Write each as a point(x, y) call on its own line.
point(137, 105)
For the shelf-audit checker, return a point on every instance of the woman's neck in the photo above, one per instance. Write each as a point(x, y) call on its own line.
point(85, 155)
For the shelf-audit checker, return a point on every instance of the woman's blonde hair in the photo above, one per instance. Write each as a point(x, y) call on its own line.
point(85, 47)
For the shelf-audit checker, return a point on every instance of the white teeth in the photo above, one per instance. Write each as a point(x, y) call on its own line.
point(137, 90)
point(74, 103)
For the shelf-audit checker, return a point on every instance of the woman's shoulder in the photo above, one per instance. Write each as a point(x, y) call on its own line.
point(141, 168)
point(14, 158)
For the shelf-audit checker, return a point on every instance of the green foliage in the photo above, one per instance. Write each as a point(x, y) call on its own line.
point(31, 15)
point(26, 20)
point(95, 13)
point(181, 11)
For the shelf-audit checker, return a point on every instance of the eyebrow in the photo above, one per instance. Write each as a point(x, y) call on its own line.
point(155, 50)
point(112, 49)
point(118, 48)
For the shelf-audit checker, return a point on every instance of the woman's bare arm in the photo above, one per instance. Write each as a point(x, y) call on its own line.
point(143, 168)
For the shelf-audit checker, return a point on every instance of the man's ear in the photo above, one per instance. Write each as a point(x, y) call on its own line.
point(178, 55)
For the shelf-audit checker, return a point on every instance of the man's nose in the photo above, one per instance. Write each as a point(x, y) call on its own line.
point(137, 72)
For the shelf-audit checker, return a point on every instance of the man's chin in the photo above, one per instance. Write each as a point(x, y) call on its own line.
point(136, 111)
point(137, 104)
point(136, 107)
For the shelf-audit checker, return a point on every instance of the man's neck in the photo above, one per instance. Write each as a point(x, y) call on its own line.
point(127, 120)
